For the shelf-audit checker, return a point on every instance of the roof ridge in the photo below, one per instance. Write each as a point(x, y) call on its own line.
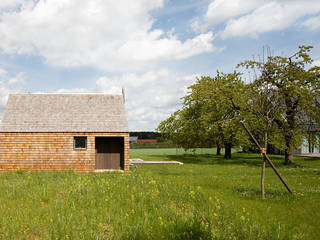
point(88, 93)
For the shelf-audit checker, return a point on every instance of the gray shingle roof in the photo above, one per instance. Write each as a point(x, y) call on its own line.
point(64, 113)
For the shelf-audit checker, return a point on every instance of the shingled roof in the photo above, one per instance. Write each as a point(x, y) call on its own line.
point(64, 113)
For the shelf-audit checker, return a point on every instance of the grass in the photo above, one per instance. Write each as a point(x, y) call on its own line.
point(207, 198)
point(174, 151)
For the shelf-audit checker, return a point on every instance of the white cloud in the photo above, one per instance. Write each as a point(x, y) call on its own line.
point(9, 84)
point(312, 23)
point(20, 78)
point(4, 91)
point(10, 4)
point(3, 72)
point(221, 10)
point(73, 90)
point(111, 35)
point(316, 63)
point(253, 17)
point(270, 17)
point(199, 26)
point(150, 97)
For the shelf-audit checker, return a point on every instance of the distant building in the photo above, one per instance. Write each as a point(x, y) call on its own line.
point(310, 142)
point(133, 139)
point(147, 140)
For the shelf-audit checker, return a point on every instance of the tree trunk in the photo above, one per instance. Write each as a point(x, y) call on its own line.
point(288, 156)
point(218, 150)
point(266, 140)
point(227, 150)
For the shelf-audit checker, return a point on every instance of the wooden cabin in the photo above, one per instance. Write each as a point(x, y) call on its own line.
point(82, 132)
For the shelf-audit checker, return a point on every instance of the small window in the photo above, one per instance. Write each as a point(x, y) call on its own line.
point(80, 142)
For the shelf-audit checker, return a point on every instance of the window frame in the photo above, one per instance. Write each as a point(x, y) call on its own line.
point(74, 142)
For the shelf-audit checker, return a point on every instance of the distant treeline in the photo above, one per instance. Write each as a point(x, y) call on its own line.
point(146, 135)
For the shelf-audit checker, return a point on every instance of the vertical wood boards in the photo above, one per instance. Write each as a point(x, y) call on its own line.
point(109, 152)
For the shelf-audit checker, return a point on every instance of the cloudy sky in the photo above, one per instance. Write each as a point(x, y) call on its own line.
point(154, 49)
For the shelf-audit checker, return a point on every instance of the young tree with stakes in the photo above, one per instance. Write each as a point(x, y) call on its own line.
point(296, 88)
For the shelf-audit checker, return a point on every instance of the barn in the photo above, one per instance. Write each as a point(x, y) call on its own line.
point(81, 132)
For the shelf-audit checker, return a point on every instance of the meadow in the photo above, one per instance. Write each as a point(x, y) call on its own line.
point(174, 151)
point(206, 198)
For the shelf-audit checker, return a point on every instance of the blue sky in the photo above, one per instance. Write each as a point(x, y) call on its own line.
point(154, 49)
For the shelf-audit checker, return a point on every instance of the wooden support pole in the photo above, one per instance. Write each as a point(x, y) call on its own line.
point(263, 152)
point(262, 178)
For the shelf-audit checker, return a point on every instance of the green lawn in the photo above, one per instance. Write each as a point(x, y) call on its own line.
point(207, 198)
point(174, 151)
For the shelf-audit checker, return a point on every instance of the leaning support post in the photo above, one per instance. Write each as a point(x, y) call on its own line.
point(263, 152)
point(262, 177)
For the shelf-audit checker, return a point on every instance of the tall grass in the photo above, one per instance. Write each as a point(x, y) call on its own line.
point(206, 198)
point(66, 205)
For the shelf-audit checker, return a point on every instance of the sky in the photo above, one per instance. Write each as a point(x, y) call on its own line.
point(153, 49)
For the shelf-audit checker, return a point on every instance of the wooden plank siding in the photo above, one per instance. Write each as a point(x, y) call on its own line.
point(108, 161)
point(52, 151)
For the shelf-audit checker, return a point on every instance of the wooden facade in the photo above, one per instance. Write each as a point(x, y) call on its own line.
point(44, 132)
point(54, 151)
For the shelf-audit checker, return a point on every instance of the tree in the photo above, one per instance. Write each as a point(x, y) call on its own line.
point(263, 106)
point(209, 114)
point(184, 128)
point(295, 89)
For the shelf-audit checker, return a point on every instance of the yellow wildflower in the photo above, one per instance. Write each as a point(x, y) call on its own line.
point(191, 193)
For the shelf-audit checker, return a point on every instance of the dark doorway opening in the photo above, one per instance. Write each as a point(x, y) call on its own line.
point(109, 152)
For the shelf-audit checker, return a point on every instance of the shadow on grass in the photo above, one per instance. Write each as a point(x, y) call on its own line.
point(308, 159)
point(244, 159)
point(191, 229)
point(255, 193)
point(237, 159)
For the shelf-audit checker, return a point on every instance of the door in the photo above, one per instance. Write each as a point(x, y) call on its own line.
point(109, 152)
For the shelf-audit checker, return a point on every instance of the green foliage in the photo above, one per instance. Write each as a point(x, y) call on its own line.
point(184, 128)
point(218, 97)
point(209, 115)
point(280, 106)
point(289, 88)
